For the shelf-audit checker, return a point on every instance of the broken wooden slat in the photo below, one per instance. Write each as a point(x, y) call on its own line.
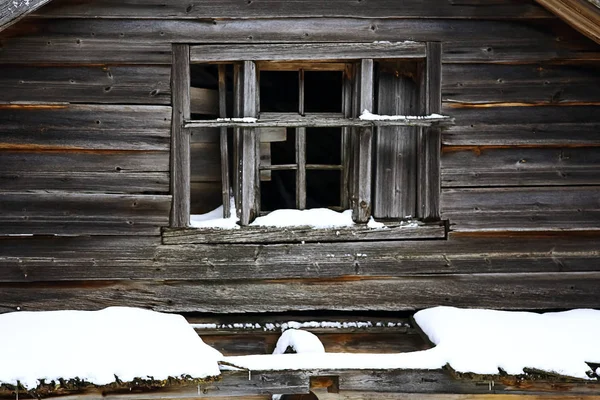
point(180, 139)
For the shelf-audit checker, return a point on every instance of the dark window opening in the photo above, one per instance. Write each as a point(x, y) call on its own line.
point(323, 91)
point(279, 91)
point(279, 191)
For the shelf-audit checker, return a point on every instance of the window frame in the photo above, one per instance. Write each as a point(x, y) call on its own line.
point(428, 170)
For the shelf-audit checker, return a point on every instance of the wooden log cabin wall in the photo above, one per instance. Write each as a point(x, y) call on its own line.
point(85, 122)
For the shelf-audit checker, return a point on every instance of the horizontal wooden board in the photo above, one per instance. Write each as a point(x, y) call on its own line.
point(522, 208)
point(33, 259)
point(393, 231)
point(306, 51)
point(502, 291)
point(522, 125)
point(77, 40)
point(70, 213)
point(282, 8)
point(92, 127)
point(537, 83)
point(140, 84)
point(473, 166)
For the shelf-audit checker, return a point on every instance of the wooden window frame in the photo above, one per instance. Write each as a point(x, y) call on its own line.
point(274, 56)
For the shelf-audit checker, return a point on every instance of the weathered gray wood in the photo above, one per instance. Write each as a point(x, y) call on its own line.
point(369, 395)
point(393, 231)
point(127, 41)
point(204, 101)
point(429, 141)
point(522, 208)
point(68, 213)
point(522, 125)
point(180, 140)
point(250, 151)
point(301, 168)
point(346, 143)
point(306, 51)
point(238, 98)
point(224, 149)
point(524, 290)
point(44, 259)
point(363, 207)
point(140, 84)
point(12, 11)
point(480, 166)
point(396, 147)
point(538, 83)
point(71, 127)
point(322, 122)
point(341, 8)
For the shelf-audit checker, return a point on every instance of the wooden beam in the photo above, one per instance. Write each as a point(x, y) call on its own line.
point(180, 139)
point(363, 207)
point(224, 147)
point(250, 151)
point(13, 10)
point(580, 14)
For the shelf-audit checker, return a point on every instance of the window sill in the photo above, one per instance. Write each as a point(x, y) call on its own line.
point(303, 234)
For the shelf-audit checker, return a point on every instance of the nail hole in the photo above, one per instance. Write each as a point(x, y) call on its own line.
point(97, 122)
point(154, 92)
point(188, 8)
point(107, 89)
point(118, 169)
point(78, 41)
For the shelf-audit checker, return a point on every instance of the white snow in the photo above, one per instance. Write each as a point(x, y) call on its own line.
point(243, 119)
point(368, 116)
point(315, 217)
point(96, 346)
point(372, 224)
point(214, 219)
point(300, 341)
point(471, 340)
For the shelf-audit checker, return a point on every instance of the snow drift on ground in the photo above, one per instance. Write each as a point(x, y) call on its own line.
point(214, 218)
point(96, 346)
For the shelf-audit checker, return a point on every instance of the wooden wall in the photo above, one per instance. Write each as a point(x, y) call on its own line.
point(84, 155)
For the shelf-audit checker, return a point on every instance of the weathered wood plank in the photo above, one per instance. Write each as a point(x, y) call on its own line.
point(180, 139)
point(366, 395)
point(510, 291)
point(478, 166)
point(306, 51)
point(140, 84)
point(73, 40)
point(363, 207)
point(523, 208)
point(303, 234)
point(522, 125)
point(250, 151)
point(70, 127)
point(31, 259)
point(69, 213)
point(223, 146)
point(257, 9)
point(538, 83)
point(13, 11)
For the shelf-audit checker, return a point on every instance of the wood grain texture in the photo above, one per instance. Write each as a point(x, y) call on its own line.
point(180, 138)
point(69, 213)
point(95, 127)
point(56, 259)
point(510, 291)
point(278, 8)
point(480, 166)
point(523, 208)
point(250, 152)
point(140, 84)
point(13, 11)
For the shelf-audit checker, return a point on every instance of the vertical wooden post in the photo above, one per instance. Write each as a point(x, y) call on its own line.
point(238, 98)
point(362, 209)
point(396, 147)
point(428, 195)
point(346, 144)
point(249, 174)
point(223, 143)
point(180, 138)
point(301, 150)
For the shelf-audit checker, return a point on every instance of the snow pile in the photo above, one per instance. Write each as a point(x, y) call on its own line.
point(479, 341)
point(368, 116)
point(316, 218)
point(214, 219)
point(96, 346)
point(300, 341)
point(242, 119)
point(482, 341)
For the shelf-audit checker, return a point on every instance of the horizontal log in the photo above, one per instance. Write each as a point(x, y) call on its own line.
point(31, 259)
point(257, 9)
point(369, 395)
point(499, 291)
point(69, 213)
point(393, 231)
point(75, 181)
point(306, 51)
point(138, 84)
point(320, 122)
point(522, 208)
point(522, 125)
point(480, 166)
point(123, 41)
point(97, 127)
point(541, 83)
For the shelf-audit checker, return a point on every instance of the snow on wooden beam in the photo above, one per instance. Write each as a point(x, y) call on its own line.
point(13, 10)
